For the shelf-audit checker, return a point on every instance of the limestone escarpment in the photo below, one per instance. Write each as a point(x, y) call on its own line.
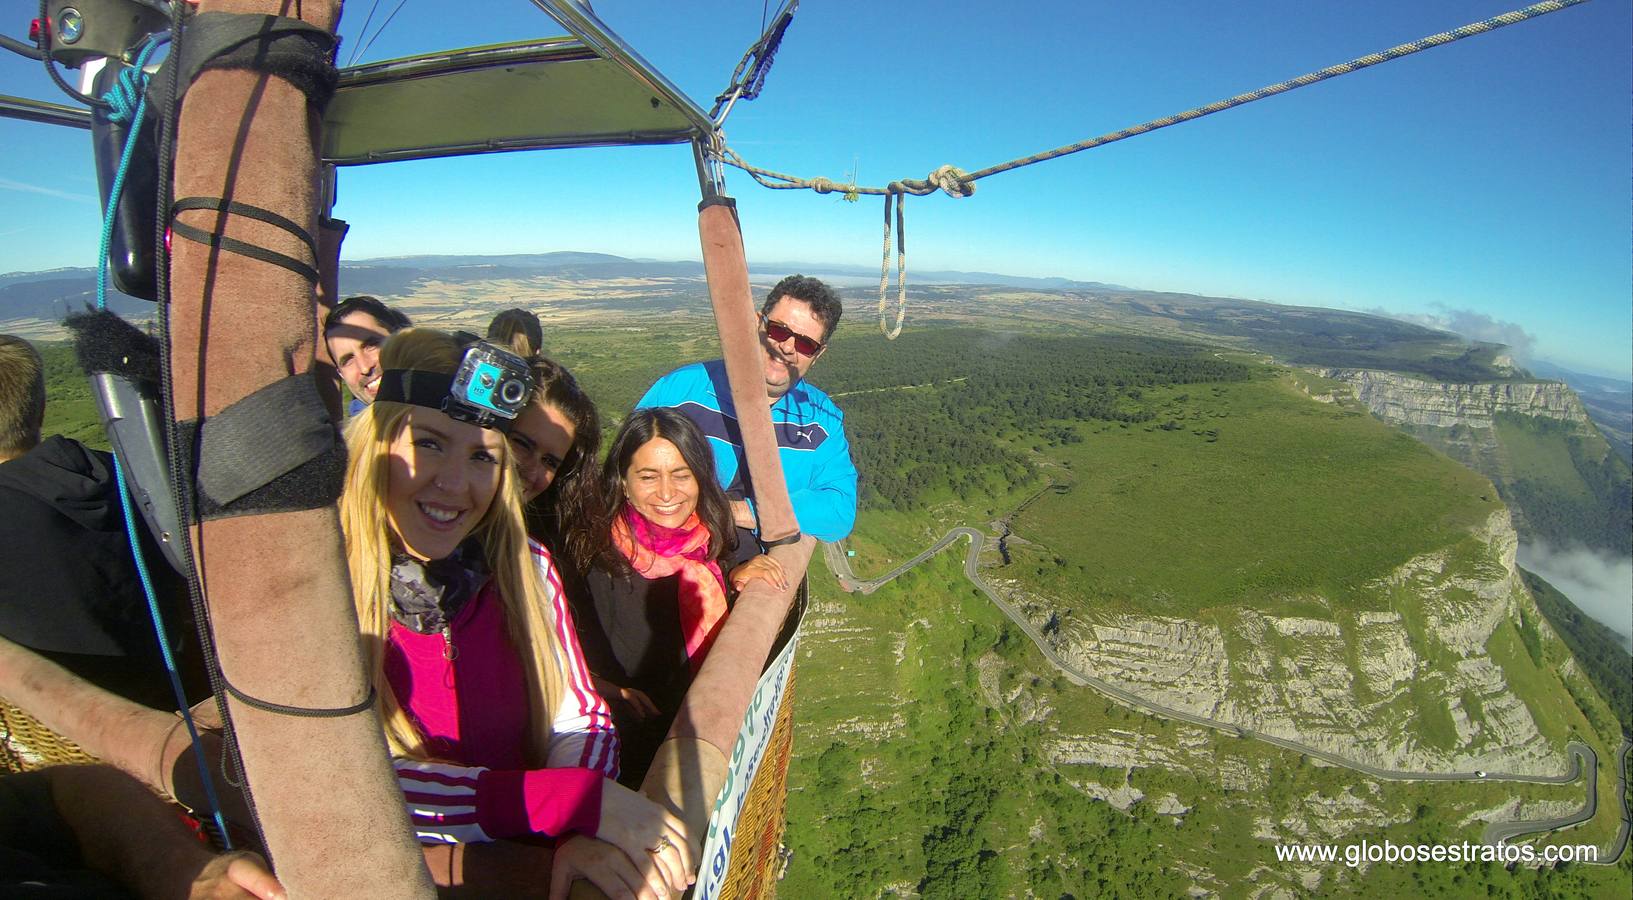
point(1404, 400)
point(1359, 683)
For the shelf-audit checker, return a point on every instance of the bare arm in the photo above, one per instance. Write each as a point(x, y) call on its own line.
point(133, 837)
point(743, 516)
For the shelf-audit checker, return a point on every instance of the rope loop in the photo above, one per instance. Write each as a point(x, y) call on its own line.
point(899, 200)
point(125, 95)
point(124, 99)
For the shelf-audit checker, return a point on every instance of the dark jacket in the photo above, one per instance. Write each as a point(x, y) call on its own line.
point(71, 590)
point(629, 627)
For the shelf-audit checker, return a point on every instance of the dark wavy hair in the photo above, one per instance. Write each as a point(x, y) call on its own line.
point(390, 319)
point(517, 330)
point(593, 537)
point(814, 292)
point(574, 495)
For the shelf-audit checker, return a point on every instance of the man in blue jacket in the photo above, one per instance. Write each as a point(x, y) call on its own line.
point(798, 318)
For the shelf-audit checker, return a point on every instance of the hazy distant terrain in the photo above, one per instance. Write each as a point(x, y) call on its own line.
point(1609, 401)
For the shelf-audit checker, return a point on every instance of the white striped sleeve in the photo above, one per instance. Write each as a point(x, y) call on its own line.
point(441, 800)
point(584, 735)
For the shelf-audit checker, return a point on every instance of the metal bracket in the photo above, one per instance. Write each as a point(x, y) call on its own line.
point(711, 173)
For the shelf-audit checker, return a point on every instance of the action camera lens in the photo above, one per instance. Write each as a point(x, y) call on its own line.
point(512, 392)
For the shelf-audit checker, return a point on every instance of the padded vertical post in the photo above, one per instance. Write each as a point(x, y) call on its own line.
point(276, 584)
point(690, 767)
point(331, 234)
point(727, 271)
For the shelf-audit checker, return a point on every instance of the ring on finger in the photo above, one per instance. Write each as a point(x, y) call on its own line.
point(662, 845)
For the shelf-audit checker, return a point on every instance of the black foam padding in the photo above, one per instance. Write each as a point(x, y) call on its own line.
point(261, 436)
point(104, 342)
point(313, 484)
point(288, 48)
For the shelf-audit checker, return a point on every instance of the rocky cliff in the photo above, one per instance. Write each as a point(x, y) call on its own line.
point(1403, 400)
point(1360, 683)
point(1534, 440)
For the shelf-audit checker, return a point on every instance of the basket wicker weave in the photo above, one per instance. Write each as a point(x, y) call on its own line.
point(26, 745)
point(755, 860)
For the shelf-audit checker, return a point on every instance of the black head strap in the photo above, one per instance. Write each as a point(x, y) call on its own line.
point(433, 390)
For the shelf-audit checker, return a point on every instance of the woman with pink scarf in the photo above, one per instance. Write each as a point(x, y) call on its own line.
point(661, 557)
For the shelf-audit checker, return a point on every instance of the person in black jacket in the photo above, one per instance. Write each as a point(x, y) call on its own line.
point(70, 590)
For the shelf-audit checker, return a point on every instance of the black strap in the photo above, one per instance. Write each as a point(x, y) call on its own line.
point(434, 390)
point(262, 436)
point(414, 386)
point(217, 204)
point(304, 712)
point(782, 541)
point(291, 49)
point(222, 242)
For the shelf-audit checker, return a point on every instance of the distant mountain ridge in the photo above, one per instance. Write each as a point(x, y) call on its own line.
point(1609, 402)
point(1298, 335)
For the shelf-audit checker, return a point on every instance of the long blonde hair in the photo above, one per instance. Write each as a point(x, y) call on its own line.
point(500, 532)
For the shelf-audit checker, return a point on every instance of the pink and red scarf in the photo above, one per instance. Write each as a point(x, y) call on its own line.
point(657, 552)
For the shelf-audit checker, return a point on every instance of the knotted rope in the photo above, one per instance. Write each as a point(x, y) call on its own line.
point(955, 182)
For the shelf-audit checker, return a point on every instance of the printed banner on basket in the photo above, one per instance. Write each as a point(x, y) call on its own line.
point(746, 755)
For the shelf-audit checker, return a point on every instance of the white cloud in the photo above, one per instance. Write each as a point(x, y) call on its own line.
point(1602, 586)
point(1474, 325)
point(6, 184)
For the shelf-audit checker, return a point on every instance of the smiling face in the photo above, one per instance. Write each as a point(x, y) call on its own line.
point(354, 344)
point(784, 364)
point(660, 485)
point(540, 439)
point(442, 477)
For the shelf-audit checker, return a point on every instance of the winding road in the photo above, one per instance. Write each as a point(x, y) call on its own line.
point(1582, 756)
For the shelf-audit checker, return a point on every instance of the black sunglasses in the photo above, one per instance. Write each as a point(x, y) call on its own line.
point(778, 332)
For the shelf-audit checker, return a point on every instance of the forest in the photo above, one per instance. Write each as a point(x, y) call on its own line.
point(1597, 513)
point(1596, 647)
point(954, 409)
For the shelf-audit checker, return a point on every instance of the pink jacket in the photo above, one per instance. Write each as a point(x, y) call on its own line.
point(465, 690)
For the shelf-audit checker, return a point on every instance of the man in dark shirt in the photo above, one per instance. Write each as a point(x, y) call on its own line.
point(69, 589)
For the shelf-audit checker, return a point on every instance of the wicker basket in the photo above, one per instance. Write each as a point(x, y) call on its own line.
point(756, 860)
point(26, 745)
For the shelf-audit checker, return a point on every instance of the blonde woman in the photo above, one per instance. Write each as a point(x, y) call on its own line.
point(493, 727)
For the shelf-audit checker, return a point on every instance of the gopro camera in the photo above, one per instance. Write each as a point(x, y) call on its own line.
point(490, 383)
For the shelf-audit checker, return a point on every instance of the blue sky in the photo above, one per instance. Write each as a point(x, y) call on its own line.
point(1484, 184)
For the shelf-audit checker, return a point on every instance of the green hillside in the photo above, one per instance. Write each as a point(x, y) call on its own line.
point(69, 410)
point(1570, 485)
point(1596, 648)
point(1238, 492)
point(1176, 500)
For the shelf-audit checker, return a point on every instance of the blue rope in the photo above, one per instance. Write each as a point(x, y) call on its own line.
point(169, 660)
point(127, 102)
